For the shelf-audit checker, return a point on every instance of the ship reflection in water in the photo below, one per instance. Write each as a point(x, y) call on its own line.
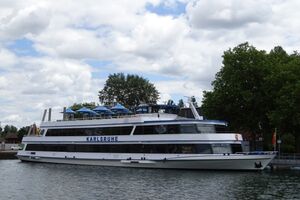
point(58, 181)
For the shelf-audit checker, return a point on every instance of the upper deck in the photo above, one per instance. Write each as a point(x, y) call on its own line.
point(119, 120)
point(149, 118)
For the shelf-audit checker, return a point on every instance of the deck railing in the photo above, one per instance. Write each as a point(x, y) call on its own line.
point(99, 117)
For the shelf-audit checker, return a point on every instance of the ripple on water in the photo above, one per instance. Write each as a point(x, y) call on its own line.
point(55, 181)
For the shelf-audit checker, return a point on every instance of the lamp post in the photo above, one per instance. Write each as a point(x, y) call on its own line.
point(279, 142)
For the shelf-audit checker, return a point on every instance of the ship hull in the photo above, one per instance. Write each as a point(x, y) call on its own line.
point(196, 162)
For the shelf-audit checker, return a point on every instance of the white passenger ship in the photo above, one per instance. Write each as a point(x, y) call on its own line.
point(148, 140)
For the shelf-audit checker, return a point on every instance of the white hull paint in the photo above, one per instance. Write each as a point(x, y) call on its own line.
point(211, 162)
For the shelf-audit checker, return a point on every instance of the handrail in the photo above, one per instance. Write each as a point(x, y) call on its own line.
point(102, 117)
point(257, 153)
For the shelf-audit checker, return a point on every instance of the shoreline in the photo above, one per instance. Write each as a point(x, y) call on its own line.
point(8, 155)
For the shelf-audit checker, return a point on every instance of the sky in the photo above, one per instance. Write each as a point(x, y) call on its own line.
point(57, 53)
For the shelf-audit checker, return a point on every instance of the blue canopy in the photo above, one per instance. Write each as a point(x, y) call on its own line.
point(69, 111)
point(120, 109)
point(103, 110)
point(85, 110)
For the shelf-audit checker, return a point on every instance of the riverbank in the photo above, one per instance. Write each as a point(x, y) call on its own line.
point(7, 155)
point(282, 164)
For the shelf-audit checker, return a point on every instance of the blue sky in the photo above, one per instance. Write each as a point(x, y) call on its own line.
point(176, 9)
point(23, 47)
point(56, 53)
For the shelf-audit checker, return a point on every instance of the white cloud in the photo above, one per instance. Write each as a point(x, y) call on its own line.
point(27, 20)
point(181, 53)
point(227, 14)
point(7, 59)
point(185, 88)
point(43, 83)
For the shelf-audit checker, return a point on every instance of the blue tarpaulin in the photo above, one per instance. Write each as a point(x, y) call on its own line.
point(69, 111)
point(120, 109)
point(103, 110)
point(88, 111)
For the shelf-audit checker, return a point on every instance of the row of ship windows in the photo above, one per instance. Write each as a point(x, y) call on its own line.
point(139, 130)
point(139, 148)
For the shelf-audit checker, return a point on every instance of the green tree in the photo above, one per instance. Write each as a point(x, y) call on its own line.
point(129, 90)
point(237, 95)
point(77, 106)
point(22, 132)
point(257, 91)
point(9, 129)
point(288, 143)
point(284, 87)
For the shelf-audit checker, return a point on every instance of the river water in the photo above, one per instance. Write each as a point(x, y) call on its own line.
point(20, 180)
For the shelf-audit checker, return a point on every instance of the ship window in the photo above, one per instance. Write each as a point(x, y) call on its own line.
point(188, 128)
point(205, 128)
point(221, 129)
point(173, 129)
point(204, 149)
point(42, 132)
point(124, 148)
point(158, 129)
point(236, 148)
point(122, 130)
point(221, 148)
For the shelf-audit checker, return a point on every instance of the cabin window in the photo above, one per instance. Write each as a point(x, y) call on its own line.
point(173, 128)
point(188, 128)
point(124, 148)
point(42, 132)
point(158, 129)
point(122, 130)
point(205, 128)
point(221, 148)
point(236, 148)
point(221, 129)
point(204, 149)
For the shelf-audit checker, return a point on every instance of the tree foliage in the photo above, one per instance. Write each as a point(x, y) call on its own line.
point(129, 90)
point(23, 131)
point(8, 129)
point(77, 106)
point(256, 91)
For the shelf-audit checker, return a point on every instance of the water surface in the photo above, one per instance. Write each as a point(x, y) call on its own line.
point(22, 180)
